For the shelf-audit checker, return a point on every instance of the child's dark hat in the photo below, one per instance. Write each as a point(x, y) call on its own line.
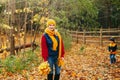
point(112, 39)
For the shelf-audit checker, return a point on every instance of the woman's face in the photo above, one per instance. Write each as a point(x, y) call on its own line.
point(52, 27)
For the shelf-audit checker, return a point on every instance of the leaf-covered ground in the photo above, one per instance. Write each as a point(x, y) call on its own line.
point(90, 62)
point(82, 62)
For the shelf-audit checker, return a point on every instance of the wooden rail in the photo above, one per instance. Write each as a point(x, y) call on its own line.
point(17, 48)
point(100, 36)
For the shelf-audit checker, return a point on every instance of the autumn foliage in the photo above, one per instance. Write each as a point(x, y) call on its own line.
point(82, 62)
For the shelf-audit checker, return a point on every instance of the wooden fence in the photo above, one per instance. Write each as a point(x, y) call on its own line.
point(100, 36)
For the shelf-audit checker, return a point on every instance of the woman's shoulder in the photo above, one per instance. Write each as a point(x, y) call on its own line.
point(45, 35)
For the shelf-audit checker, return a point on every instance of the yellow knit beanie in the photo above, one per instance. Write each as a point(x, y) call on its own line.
point(51, 21)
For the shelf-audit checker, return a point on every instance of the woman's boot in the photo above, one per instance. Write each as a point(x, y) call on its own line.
point(50, 77)
point(57, 76)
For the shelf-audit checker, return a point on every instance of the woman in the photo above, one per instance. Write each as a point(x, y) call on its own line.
point(52, 49)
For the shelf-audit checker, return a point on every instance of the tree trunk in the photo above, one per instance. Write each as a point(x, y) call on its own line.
point(11, 8)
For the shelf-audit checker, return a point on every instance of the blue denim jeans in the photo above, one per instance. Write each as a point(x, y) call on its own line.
point(52, 60)
point(112, 58)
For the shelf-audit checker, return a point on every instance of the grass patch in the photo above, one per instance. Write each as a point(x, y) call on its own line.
point(82, 49)
point(20, 62)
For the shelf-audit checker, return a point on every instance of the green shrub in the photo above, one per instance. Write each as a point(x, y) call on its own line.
point(67, 39)
point(16, 64)
point(9, 63)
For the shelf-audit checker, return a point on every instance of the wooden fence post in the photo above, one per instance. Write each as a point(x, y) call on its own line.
point(101, 42)
point(76, 36)
point(84, 40)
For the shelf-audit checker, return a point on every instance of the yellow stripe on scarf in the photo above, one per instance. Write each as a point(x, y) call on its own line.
point(55, 43)
point(112, 44)
point(60, 60)
point(60, 43)
point(51, 35)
